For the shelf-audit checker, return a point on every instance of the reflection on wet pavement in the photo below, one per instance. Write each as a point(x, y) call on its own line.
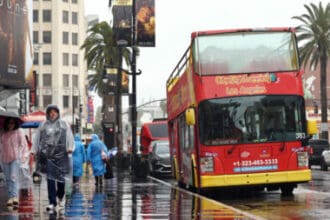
point(119, 198)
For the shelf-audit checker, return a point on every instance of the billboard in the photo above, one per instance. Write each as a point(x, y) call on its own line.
point(122, 22)
point(146, 23)
point(144, 11)
point(124, 83)
point(15, 43)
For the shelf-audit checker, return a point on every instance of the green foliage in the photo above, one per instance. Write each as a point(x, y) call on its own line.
point(100, 49)
point(314, 38)
point(314, 34)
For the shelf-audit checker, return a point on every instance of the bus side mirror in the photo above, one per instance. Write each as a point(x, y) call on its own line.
point(190, 116)
point(311, 127)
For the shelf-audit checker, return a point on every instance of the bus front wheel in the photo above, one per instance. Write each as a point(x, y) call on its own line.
point(287, 190)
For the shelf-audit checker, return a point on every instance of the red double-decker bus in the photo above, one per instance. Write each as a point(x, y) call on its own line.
point(236, 112)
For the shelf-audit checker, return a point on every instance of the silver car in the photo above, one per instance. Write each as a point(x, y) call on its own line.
point(159, 158)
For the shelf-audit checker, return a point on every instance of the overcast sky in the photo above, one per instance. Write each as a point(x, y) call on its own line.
point(176, 19)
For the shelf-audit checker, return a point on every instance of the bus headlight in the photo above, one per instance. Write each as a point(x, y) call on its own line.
point(302, 158)
point(207, 164)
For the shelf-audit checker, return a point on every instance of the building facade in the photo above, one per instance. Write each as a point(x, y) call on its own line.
point(59, 29)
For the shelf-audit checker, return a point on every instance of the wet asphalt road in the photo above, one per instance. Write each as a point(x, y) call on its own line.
point(310, 201)
point(125, 198)
point(119, 198)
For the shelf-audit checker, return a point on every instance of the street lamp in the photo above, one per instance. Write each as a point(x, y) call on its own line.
point(125, 34)
point(112, 76)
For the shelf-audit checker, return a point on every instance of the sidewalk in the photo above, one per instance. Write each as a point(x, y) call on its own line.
point(119, 198)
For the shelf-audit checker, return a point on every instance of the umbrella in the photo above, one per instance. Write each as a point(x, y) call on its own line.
point(4, 115)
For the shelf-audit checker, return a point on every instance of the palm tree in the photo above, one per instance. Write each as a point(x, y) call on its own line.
point(100, 50)
point(314, 35)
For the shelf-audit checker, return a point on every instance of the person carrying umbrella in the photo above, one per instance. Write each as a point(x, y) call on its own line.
point(14, 151)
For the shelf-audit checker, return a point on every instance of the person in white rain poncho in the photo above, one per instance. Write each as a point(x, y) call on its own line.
point(52, 144)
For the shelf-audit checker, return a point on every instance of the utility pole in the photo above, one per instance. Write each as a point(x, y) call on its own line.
point(72, 99)
point(134, 113)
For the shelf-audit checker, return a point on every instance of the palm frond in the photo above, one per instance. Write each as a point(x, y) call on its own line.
point(100, 50)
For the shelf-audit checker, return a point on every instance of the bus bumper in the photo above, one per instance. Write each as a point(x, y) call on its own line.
point(297, 176)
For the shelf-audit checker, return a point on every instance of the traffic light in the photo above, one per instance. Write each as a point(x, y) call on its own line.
point(109, 133)
point(77, 125)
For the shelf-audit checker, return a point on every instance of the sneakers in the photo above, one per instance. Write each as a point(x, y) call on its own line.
point(10, 202)
point(15, 201)
point(61, 202)
point(50, 207)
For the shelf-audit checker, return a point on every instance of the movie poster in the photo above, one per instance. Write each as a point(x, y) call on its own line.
point(124, 83)
point(122, 22)
point(15, 43)
point(146, 23)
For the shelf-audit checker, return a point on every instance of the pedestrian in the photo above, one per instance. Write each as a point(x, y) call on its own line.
point(96, 154)
point(52, 144)
point(14, 151)
point(78, 159)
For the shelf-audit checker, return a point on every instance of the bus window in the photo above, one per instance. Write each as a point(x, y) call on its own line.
point(257, 52)
point(251, 119)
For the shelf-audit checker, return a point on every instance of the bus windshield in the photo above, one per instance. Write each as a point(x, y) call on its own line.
point(245, 52)
point(158, 130)
point(251, 119)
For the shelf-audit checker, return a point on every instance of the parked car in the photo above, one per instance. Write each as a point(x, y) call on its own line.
point(317, 146)
point(159, 158)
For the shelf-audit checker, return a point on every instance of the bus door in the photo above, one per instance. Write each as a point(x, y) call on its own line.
point(186, 145)
point(175, 149)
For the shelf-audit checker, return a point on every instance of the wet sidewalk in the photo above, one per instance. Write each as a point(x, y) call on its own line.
point(119, 198)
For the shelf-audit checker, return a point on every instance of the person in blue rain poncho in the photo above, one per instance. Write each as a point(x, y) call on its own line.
point(78, 159)
point(52, 144)
point(96, 154)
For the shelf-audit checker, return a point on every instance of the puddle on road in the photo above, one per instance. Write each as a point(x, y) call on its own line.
point(119, 198)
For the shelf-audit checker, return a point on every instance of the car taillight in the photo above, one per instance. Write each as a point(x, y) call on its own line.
point(302, 158)
point(310, 149)
point(207, 164)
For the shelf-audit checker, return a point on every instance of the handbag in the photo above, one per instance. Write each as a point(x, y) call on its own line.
point(25, 179)
point(104, 156)
point(36, 177)
point(108, 170)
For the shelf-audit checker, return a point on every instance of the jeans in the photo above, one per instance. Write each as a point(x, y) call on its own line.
point(55, 189)
point(11, 172)
point(76, 179)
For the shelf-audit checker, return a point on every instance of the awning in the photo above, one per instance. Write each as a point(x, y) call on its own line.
point(33, 119)
point(30, 124)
